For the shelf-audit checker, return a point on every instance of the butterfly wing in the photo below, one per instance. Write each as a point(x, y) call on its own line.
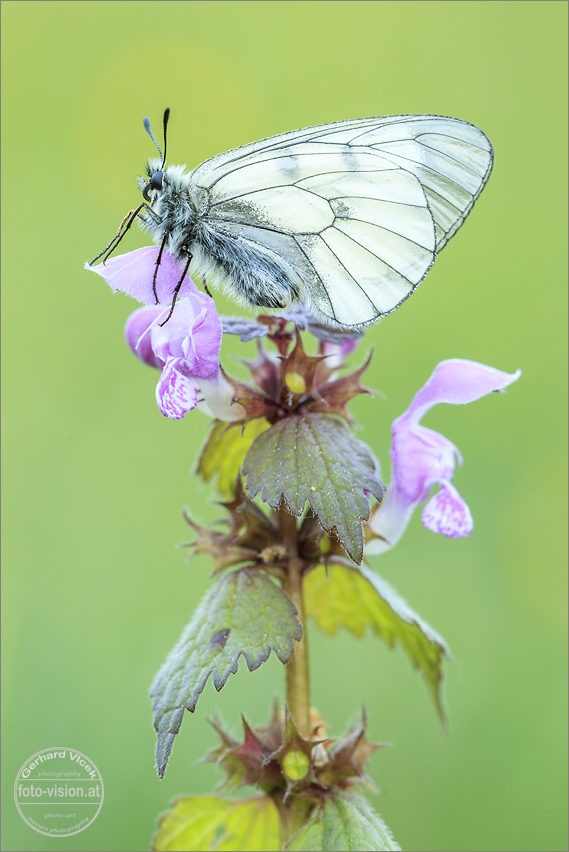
point(355, 210)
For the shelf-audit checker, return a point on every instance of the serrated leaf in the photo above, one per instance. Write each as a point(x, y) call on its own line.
point(203, 823)
point(344, 822)
point(356, 598)
point(244, 613)
point(315, 457)
point(224, 451)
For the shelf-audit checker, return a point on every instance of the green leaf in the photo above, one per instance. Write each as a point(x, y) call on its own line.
point(315, 457)
point(356, 598)
point(244, 613)
point(344, 822)
point(203, 823)
point(224, 451)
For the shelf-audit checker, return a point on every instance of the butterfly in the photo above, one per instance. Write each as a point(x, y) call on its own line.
point(343, 219)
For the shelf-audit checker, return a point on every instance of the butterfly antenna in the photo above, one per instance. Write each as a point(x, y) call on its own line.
point(151, 134)
point(166, 117)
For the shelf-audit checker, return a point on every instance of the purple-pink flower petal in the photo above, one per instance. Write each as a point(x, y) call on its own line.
point(192, 333)
point(422, 458)
point(185, 347)
point(137, 332)
point(458, 381)
point(338, 352)
point(133, 274)
point(176, 394)
point(447, 513)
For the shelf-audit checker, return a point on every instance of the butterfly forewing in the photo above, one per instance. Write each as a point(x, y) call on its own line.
point(356, 210)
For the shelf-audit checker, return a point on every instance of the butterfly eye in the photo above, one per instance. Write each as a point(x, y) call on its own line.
point(155, 182)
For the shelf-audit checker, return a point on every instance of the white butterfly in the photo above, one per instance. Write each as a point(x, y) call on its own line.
point(345, 218)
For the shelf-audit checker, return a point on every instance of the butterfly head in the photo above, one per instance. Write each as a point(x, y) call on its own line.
point(153, 180)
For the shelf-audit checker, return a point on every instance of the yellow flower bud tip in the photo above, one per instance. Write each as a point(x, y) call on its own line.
point(295, 382)
point(325, 544)
point(318, 726)
point(276, 553)
point(296, 765)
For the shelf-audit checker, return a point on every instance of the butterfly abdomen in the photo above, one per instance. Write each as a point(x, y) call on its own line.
point(258, 278)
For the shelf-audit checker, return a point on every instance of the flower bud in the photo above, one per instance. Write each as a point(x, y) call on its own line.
point(295, 382)
point(296, 765)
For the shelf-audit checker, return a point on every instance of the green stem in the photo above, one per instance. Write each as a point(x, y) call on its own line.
point(294, 813)
point(297, 680)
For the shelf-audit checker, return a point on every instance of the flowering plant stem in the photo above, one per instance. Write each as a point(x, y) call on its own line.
point(294, 811)
point(293, 815)
point(297, 675)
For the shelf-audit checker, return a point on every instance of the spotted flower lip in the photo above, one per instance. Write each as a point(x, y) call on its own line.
point(422, 458)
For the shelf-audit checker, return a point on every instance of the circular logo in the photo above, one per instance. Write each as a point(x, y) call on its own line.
point(58, 791)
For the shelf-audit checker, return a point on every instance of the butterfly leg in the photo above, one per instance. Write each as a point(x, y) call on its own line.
point(206, 287)
point(157, 264)
point(120, 233)
point(177, 287)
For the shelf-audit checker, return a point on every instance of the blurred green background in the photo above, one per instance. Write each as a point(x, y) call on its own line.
point(95, 594)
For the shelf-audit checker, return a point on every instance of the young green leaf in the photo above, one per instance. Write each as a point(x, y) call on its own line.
point(356, 598)
point(315, 457)
point(206, 822)
point(224, 451)
point(244, 613)
point(344, 822)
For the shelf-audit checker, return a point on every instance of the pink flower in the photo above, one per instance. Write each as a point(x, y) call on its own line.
point(338, 352)
point(422, 458)
point(185, 348)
